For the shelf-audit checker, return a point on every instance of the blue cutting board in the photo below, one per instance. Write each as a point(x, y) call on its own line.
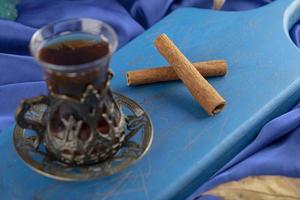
point(189, 146)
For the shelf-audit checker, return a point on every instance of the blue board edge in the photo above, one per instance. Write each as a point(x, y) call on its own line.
point(278, 106)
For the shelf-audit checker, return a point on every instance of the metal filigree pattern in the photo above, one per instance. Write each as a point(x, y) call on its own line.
point(137, 140)
point(87, 130)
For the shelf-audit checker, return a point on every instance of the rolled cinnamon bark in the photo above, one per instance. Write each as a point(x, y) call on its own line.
point(211, 101)
point(167, 73)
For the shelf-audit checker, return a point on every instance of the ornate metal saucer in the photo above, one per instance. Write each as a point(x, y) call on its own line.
point(137, 142)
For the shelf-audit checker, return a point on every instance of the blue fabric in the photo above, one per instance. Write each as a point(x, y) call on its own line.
point(272, 152)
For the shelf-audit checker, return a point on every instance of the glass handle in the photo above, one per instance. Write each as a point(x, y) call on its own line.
point(31, 114)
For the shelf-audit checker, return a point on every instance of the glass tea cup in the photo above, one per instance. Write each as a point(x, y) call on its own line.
point(83, 123)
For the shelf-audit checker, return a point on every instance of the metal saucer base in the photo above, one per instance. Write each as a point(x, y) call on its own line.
point(139, 135)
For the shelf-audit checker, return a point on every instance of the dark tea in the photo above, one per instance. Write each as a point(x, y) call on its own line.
point(74, 52)
point(71, 51)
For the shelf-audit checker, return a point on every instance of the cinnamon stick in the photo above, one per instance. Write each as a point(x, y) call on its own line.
point(167, 73)
point(211, 101)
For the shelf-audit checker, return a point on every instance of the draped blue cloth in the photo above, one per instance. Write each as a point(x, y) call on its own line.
point(274, 151)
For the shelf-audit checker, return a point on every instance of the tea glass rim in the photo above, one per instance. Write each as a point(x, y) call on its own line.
point(37, 37)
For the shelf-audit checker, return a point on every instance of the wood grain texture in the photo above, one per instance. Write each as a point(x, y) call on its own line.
point(167, 73)
point(211, 101)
